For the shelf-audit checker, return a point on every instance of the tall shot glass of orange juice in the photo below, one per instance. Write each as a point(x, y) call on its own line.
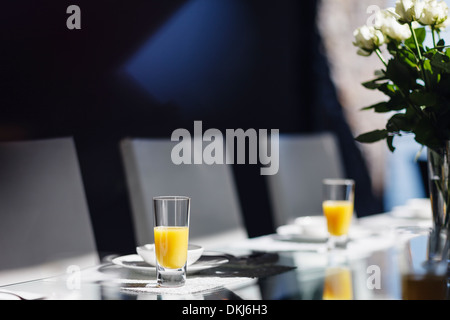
point(171, 232)
point(338, 202)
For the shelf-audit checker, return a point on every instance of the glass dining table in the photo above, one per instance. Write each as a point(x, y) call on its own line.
point(271, 267)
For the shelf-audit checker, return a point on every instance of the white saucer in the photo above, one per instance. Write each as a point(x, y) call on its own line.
point(291, 232)
point(136, 263)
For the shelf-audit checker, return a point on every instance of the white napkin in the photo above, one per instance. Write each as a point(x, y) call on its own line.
point(192, 285)
point(356, 247)
point(269, 244)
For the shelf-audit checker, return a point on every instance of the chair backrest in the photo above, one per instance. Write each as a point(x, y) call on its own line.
point(304, 161)
point(45, 227)
point(215, 210)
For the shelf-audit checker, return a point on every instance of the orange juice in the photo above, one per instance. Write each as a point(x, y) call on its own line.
point(171, 246)
point(338, 284)
point(339, 215)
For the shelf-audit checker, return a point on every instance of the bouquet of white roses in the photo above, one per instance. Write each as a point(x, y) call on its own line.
point(415, 78)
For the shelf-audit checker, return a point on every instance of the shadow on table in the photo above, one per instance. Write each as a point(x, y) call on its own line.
point(255, 265)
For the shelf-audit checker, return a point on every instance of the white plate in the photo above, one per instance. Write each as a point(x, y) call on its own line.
point(135, 262)
point(291, 232)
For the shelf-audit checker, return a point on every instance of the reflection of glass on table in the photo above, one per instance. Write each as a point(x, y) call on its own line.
point(424, 287)
point(421, 278)
point(338, 284)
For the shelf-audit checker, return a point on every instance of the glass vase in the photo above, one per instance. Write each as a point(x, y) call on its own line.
point(438, 182)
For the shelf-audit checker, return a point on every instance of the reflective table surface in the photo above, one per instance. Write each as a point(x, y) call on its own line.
point(370, 268)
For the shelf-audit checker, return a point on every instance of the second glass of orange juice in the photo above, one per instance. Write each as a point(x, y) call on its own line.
point(338, 202)
point(171, 232)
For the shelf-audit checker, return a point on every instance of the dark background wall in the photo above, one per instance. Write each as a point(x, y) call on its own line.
point(146, 68)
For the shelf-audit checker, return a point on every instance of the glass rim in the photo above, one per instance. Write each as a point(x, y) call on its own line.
point(338, 181)
point(171, 198)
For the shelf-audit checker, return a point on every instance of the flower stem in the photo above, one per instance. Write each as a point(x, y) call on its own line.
point(378, 52)
point(434, 39)
point(419, 54)
point(415, 41)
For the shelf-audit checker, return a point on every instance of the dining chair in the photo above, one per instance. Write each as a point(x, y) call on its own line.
point(215, 210)
point(304, 161)
point(45, 227)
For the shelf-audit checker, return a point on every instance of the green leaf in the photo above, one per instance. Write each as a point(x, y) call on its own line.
point(444, 85)
point(372, 136)
point(373, 84)
point(380, 73)
point(399, 122)
point(407, 57)
point(432, 75)
point(425, 133)
point(396, 103)
point(378, 107)
point(421, 98)
point(420, 34)
point(388, 89)
point(401, 74)
point(389, 141)
point(392, 47)
point(440, 44)
point(441, 62)
point(413, 115)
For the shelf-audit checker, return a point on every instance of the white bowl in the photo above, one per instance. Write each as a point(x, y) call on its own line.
point(419, 208)
point(147, 252)
point(313, 226)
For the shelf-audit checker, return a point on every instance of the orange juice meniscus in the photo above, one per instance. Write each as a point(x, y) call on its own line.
point(338, 214)
point(171, 246)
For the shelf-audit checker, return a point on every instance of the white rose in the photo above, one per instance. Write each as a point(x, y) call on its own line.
point(409, 10)
point(434, 13)
point(367, 38)
point(442, 25)
point(386, 21)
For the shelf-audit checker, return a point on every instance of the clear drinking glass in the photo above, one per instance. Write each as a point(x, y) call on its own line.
point(171, 232)
point(338, 203)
